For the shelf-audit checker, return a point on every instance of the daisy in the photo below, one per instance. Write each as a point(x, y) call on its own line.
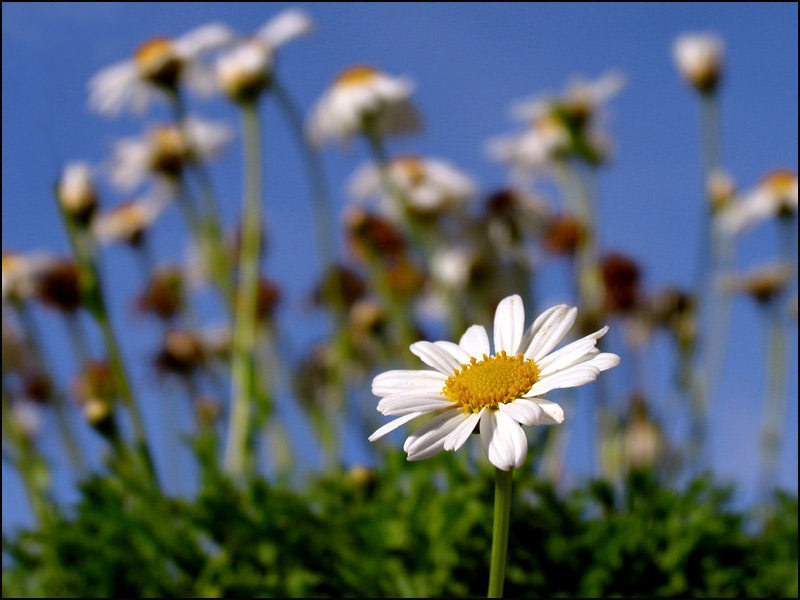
point(127, 222)
point(699, 59)
point(426, 186)
point(164, 151)
point(470, 387)
point(159, 65)
point(361, 98)
point(245, 70)
point(774, 196)
point(21, 272)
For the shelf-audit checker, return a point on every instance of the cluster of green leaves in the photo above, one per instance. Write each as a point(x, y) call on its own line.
point(416, 531)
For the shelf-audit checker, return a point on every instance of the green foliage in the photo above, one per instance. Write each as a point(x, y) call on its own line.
point(421, 530)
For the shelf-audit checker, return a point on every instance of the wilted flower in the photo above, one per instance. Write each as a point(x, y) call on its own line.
point(699, 59)
point(563, 234)
point(164, 293)
point(470, 386)
point(181, 352)
point(621, 281)
point(158, 65)
point(774, 196)
point(165, 150)
point(21, 272)
point(370, 234)
point(95, 391)
point(245, 70)
point(76, 191)
point(426, 187)
point(364, 100)
point(58, 285)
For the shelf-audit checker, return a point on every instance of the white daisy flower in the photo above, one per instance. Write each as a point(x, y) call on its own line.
point(21, 273)
point(245, 70)
point(127, 222)
point(164, 150)
point(426, 186)
point(470, 387)
point(158, 65)
point(362, 97)
point(536, 149)
point(699, 58)
point(775, 195)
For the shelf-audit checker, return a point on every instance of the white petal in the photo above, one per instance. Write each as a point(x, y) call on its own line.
point(523, 411)
point(436, 357)
point(393, 382)
point(503, 439)
point(604, 361)
point(476, 341)
point(461, 434)
point(509, 324)
point(570, 354)
point(551, 413)
point(572, 377)
point(537, 325)
point(203, 38)
point(392, 425)
point(551, 333)
point(401, 404)
point(429, 438)
point(456, 351)
point(286, 26)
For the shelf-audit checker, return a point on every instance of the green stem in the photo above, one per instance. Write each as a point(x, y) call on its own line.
point(502, 514)
point(33, 339)
point(244, 335)
point(94, 300)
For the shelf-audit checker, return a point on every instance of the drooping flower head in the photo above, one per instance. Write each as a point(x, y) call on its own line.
point(76, 192)
point(127, 222)
point(471, 387)
point(774, 196)
point(158, 65)
point(246, 69)
point(361, 100)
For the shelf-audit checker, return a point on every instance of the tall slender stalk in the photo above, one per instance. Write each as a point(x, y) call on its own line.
point(94, 300)
point(502, 519)
point(244, 335)
point(33, 338)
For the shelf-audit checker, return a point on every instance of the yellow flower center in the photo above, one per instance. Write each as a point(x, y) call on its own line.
point(781, 182)
point(356, 76)
point(412, 167)
point(490, 382)
point(158, 62)
point(169, 149)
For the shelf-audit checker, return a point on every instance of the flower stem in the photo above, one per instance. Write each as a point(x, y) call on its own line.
point(244, 334)
point(502, 513)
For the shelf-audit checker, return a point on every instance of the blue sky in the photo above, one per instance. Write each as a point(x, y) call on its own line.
point(470, 61)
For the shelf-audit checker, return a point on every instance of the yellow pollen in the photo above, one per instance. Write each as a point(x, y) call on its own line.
point(157, 60)
point(781, 182)
point(412, 167)
point(355, 76)
point(491, 381)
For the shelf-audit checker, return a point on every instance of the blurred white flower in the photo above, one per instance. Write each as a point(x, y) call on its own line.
point(127, 222)
point(426, 186)
point(76, 191)
point(559, 127)
point(158, 65)
point(699, 58)
point(450, 267)
point(470, 386)
point(244, 71)
point(775, 195)
point(762, 283)
point(21, 273)
point(362, 99)
point(164, 151)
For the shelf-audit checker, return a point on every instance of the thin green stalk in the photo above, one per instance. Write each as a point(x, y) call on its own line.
point(33, 338)
point(502, 514)
point(94, 300)
point(244, 335)
point(775, 400)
